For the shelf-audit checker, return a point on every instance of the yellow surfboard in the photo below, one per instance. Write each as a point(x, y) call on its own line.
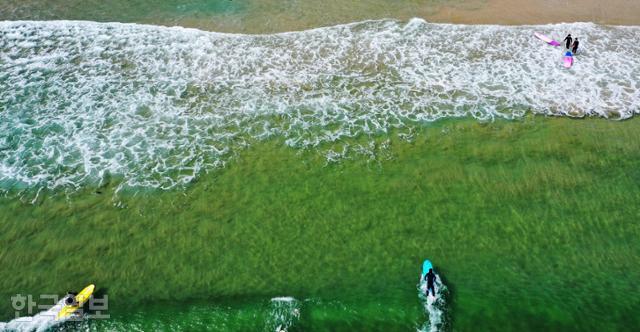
point(81, 298)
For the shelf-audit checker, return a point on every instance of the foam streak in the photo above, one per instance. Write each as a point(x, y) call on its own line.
point(83, 102)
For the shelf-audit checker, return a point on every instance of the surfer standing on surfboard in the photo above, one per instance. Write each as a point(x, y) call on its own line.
point(431, 278)
point(568, 41)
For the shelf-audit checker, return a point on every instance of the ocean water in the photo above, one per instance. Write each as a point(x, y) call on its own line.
point(531, 225)
point(150, 107)
point(312, 171)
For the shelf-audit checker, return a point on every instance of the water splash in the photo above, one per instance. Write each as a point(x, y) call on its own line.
point(434, 306)
point(83, 103)
point(285, 312)
point(40, 322)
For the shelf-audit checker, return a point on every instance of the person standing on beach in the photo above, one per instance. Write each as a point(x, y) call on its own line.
point(568, 41)
point(575, 46)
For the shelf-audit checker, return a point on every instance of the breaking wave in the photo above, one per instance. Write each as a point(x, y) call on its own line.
point(154, 107)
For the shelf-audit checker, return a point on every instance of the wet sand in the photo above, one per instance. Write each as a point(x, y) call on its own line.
point(517, 12)
point(269, 16)
point(302, 15)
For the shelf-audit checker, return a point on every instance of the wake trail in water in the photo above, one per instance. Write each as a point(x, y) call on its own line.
point(40, 322)
point(284, 313)
point(82, 103)
point(434, 306)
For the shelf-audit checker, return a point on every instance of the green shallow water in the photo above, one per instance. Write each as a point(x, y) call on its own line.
point(262, 315)
point(533, 225)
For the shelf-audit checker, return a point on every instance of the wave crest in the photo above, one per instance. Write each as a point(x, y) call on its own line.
point(81, 102)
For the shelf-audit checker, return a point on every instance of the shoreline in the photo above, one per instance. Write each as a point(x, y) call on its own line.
point(272, 17)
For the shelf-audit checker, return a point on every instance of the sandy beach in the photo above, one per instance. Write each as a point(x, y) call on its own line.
point(269, 16)
point(615, 12)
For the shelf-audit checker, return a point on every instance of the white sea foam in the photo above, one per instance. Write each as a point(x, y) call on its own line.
point(40, 322)
point(434, 306)
point(84, 102)
point(284, 313)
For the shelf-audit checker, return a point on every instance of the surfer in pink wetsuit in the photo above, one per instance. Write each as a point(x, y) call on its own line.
point(575, 46)
point(568, 41)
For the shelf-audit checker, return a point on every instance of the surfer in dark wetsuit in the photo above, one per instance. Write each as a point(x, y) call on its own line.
point(430, 277)
point(568, 41)
point(71, 298)
point(575, 46)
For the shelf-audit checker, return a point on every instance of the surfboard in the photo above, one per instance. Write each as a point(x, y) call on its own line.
point(81, 299)
point(546, 39)
point(425, 267)
point(568, 59)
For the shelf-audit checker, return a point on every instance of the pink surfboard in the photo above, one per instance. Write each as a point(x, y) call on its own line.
point(568, 59)
point(546, 39)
